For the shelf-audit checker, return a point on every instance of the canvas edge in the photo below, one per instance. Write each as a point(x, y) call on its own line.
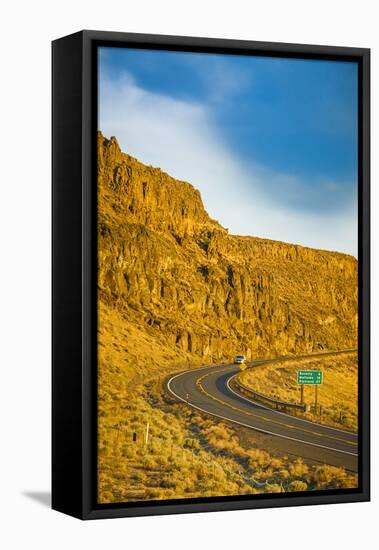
point(82, 376)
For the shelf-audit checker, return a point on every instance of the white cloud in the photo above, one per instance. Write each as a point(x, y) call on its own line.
point(221, 77)
point(181, 138)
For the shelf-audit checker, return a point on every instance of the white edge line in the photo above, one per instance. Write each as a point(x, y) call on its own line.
point(247, 425)
point(284, 414)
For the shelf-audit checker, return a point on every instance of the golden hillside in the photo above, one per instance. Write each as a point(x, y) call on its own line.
point(189, 286)
point(175, 291)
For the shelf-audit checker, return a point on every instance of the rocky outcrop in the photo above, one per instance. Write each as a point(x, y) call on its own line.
point(166, 265)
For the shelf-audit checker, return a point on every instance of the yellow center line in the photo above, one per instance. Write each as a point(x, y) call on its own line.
point(270, 420)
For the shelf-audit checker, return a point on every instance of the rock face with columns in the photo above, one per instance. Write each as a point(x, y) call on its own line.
point(178, 275)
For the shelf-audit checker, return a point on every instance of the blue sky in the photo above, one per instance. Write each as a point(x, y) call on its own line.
point(270, 143)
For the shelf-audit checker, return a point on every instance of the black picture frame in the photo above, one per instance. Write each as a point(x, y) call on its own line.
point(74, 125)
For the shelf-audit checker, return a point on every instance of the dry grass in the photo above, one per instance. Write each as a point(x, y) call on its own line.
point(338, 394)
point(187, 455)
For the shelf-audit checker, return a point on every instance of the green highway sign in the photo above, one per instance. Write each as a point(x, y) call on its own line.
point(309, 377)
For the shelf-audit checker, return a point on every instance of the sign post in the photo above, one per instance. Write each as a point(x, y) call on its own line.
point(309, 378)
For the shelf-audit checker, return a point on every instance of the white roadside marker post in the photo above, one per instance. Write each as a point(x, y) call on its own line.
point(147, 434)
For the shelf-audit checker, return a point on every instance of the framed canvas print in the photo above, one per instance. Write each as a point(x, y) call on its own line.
point(210, 274)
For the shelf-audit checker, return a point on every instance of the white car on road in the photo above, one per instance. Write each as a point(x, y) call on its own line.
point(239, 359)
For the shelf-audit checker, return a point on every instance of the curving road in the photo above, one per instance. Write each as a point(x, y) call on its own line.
point(208, 390)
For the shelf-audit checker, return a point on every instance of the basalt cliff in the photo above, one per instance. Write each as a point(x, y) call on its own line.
point(169, 269)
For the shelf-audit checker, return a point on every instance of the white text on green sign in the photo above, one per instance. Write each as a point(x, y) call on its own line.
point(309, 377)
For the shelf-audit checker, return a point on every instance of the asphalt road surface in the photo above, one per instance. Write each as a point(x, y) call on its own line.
point(208, 389)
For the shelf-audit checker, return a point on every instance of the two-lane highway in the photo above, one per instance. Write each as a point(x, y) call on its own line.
point(208, 389)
